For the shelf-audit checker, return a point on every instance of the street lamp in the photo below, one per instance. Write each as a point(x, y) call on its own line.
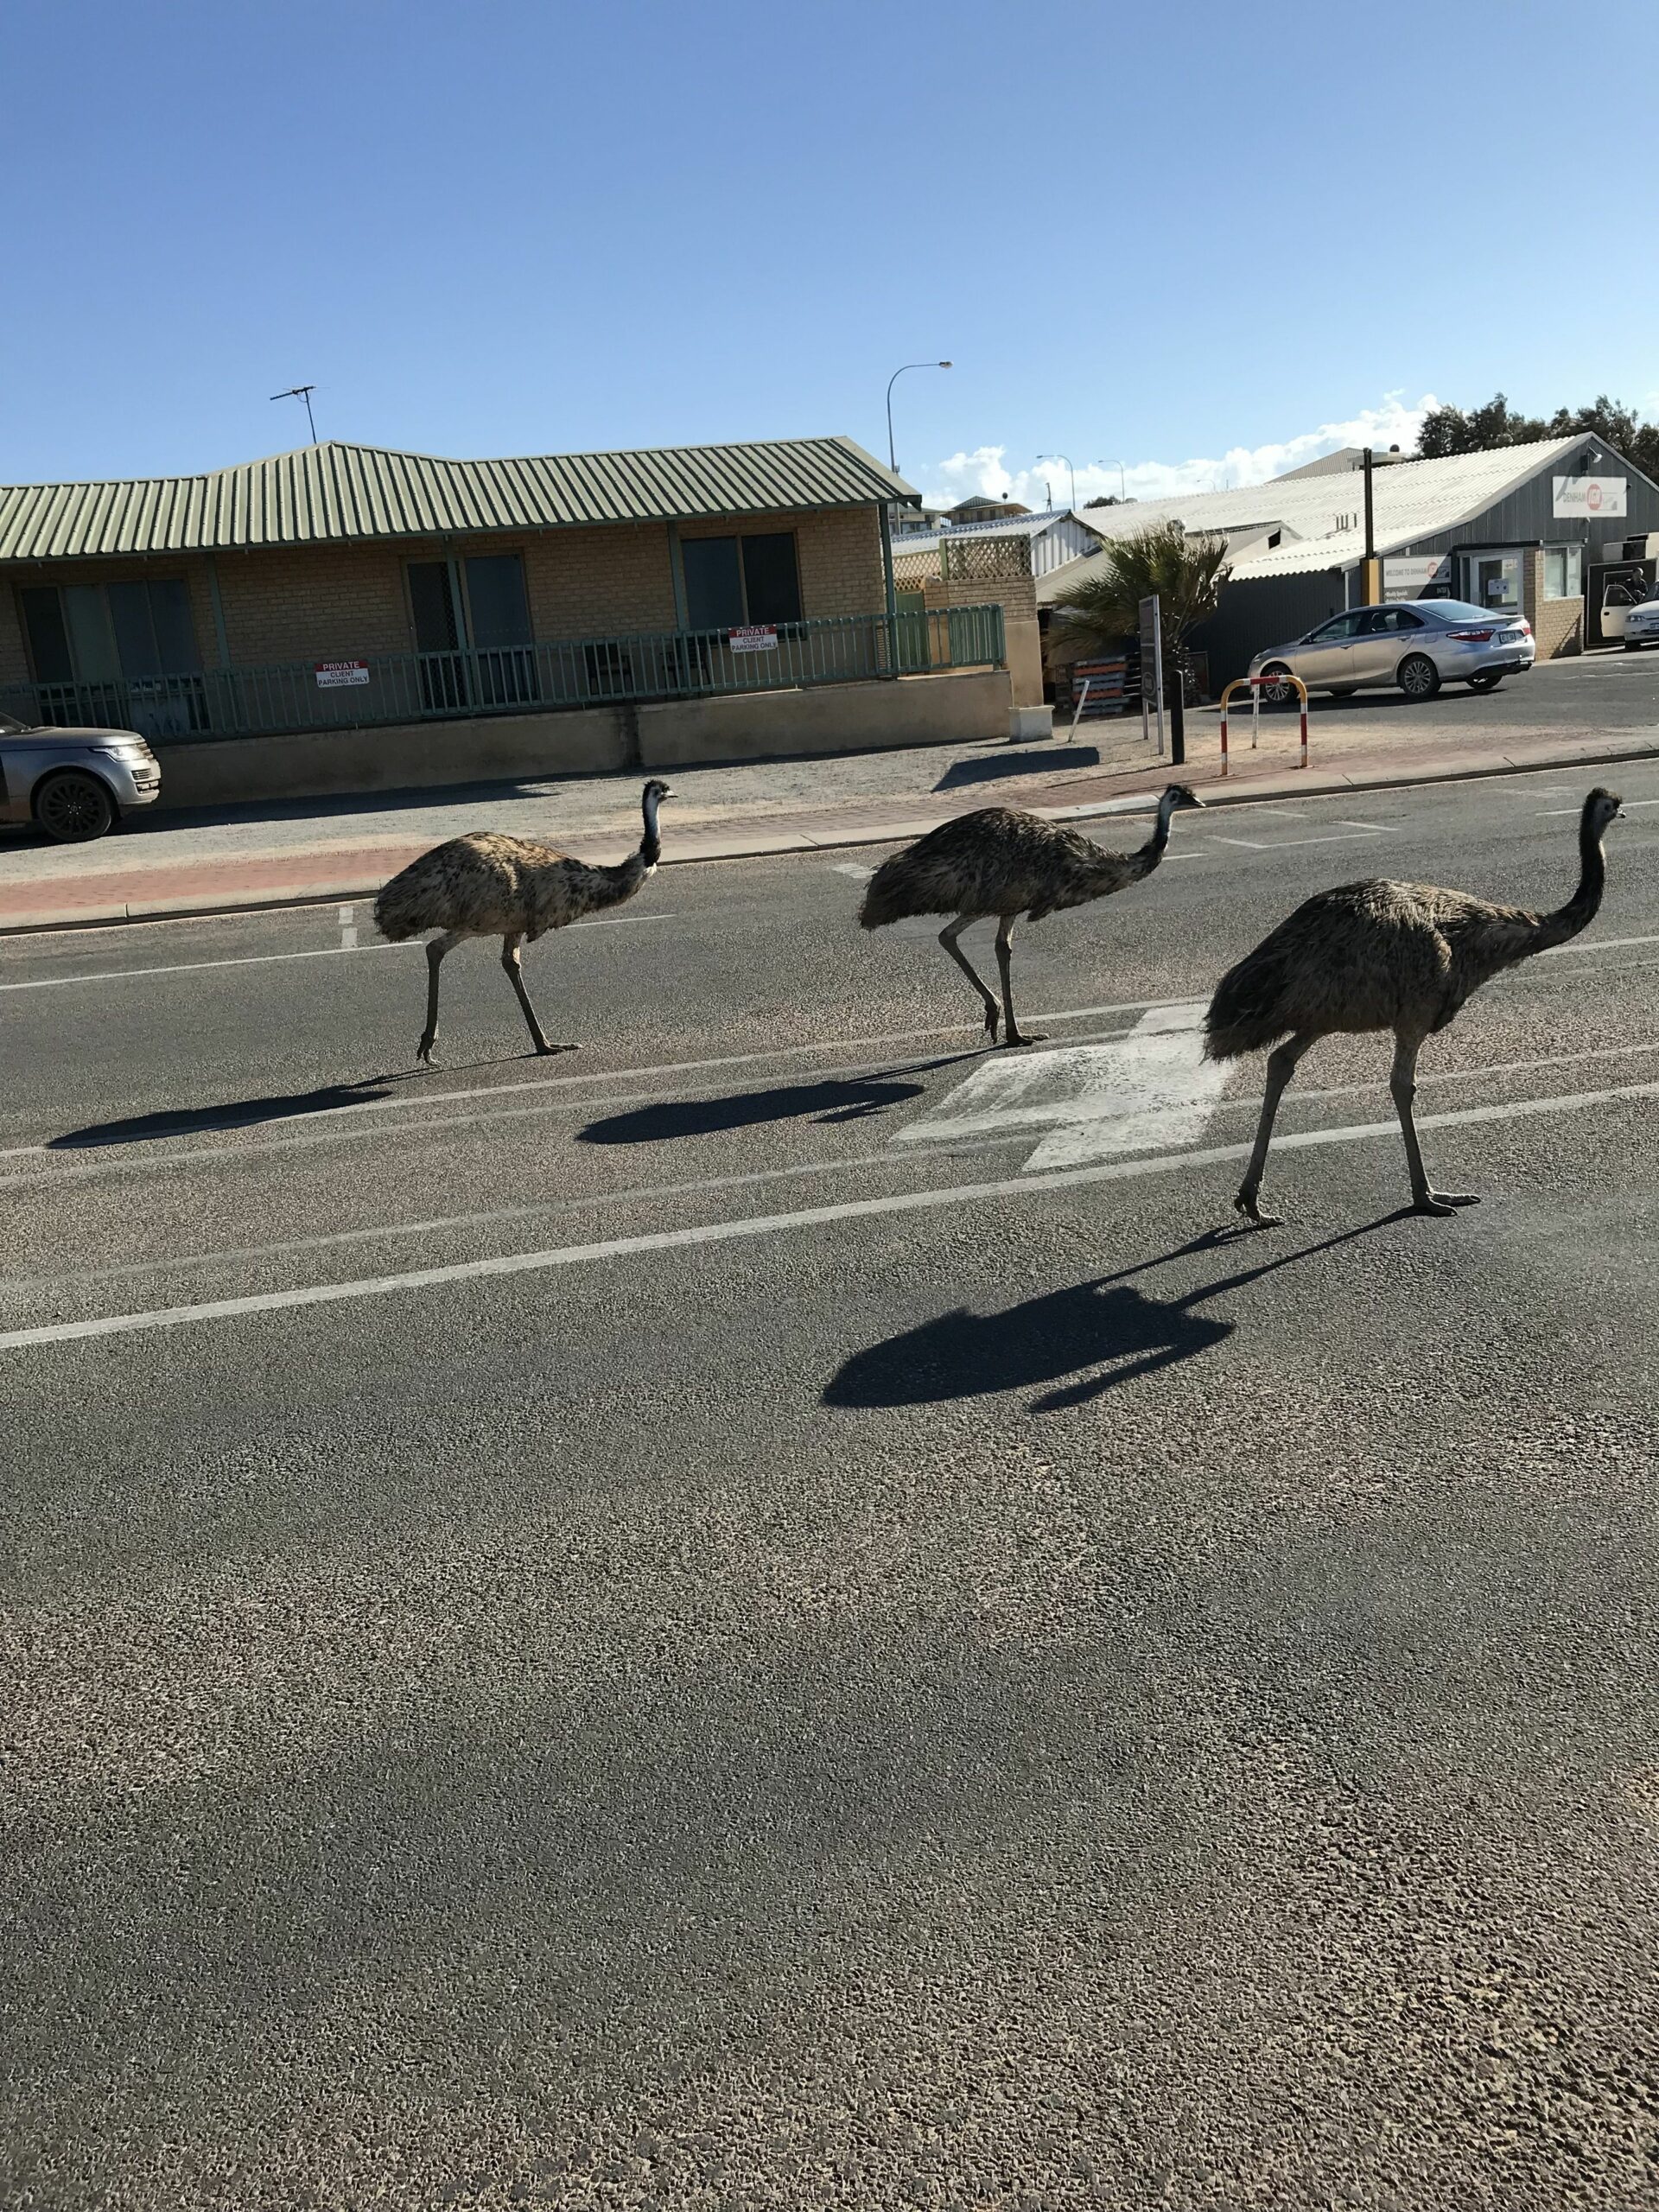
point(892, 462)
point(1122, 495)
point(1070, 471)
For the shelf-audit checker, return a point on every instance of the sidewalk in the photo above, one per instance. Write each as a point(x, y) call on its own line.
point(345, 848)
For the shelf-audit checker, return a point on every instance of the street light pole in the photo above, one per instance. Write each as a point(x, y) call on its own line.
point(892, 458)
point(1122, 493)
point(1070, 471)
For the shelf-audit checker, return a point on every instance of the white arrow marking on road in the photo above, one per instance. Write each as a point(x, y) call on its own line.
point(1152, 1090)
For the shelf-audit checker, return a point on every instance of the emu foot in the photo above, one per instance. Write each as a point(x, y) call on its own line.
point(423, 1049)
point(544, 1051)
point(993, 1020)
point(1443, 1201)
point(1245, 1204)
point(1025, 1036)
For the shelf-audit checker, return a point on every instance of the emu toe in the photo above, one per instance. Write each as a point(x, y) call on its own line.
point(1443, 1201)
point(1245, 1204)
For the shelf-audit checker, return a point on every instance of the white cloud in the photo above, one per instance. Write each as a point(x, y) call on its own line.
point(985, 470)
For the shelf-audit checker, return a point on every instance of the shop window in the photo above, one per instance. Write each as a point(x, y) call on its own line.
point(733, 580)
point(1494, 583)
point(1563, 571)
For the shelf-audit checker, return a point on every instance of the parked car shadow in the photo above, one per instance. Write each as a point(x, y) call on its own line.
point(854, 1099)
point(1104, 1332)
point(231, 1114)
point(1018, 760)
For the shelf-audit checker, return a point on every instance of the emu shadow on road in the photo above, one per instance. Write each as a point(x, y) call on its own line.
point(1020, 762)
point(851, 1100)
point(232, 1114)
point(1104, 1326)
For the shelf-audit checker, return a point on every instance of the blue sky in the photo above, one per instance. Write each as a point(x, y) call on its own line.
point(1184, 237)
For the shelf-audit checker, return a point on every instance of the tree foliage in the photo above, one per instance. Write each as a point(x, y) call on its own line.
point(1185, 573)
point(1449, 430)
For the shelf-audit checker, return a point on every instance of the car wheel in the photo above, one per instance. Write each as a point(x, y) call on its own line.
point(73, 807)
point(1419, 678)
point(1277, 694)
point(1489, 682)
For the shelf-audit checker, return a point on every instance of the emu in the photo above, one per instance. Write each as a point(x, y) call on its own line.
point(1402, 957)
point(486, 885)
point(1003, 861)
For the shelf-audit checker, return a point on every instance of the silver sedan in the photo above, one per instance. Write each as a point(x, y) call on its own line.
point(76, 784)
point(1415, 644)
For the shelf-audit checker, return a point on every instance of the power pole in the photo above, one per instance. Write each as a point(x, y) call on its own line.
point(1372, 594)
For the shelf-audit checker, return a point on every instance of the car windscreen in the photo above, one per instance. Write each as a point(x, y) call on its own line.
point(11, 728)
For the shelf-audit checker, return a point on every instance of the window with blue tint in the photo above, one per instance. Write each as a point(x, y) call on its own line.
point(771, 582)
point(94, 632)
point(496, 599)
point(714, 583)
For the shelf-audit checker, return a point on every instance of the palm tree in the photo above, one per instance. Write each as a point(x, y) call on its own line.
point(1185, 573)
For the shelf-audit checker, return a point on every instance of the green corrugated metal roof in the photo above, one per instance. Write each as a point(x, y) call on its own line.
point(332, 492)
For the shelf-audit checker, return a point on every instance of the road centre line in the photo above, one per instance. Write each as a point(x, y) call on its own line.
point(638, 1194)
point(263, 959)
point(514, 1263)
point(1552, 813)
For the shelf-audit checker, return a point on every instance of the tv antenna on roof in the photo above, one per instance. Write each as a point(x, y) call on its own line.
point(301, 391)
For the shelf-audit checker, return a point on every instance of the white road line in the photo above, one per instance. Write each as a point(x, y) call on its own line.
point(1552, 813)
point(263, 959)
point(347, 930)
point(722, 1232)
point(1379, 828)
point(645, 1193)
point(1596, 945)
point(1148, 1090)
point(854, 868)
point(1282, 844)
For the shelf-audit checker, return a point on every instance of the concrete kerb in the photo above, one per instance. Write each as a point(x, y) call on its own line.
point(757, 845)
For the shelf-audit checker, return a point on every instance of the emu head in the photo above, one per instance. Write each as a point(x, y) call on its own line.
point(1601, 807)
point(1180, 795)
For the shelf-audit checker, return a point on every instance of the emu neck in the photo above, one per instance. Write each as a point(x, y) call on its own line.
point(1581, 908)
point(1153, 851)
point(650, 845)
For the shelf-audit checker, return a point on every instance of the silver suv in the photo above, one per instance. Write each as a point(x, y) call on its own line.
point(1417, 643)
point(76, 784)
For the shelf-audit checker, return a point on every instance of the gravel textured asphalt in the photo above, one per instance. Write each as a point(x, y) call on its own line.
point(867, 1668)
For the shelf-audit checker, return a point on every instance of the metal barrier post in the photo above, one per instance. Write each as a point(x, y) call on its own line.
point(1256, 685)
point(1083, 701)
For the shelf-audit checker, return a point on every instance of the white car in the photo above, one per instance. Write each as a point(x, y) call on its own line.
point(1642, 623)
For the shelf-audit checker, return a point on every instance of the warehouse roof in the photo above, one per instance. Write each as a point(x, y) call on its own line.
point(329, 492)
point(1320, 516)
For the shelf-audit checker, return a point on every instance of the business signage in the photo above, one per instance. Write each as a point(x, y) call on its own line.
point(331, 673)
point(754, 637)
point(1578, 497)
point(1416, 576)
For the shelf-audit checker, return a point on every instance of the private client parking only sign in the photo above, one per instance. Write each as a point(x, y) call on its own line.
point(332, 673)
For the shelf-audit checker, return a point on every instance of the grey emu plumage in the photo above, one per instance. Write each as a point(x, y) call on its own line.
point(487, 885)
point(1402, 957)
point(1000, 860)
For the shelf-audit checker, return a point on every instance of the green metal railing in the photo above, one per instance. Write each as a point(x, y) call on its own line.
point(520, 679)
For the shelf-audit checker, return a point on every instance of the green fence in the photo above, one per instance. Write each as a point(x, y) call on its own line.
point(518, 679)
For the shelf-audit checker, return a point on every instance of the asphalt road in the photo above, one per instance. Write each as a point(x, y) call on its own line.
point(778, 1612)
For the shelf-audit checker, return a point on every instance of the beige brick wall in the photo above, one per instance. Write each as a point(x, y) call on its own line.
point(1557, 624)
point(598, 583)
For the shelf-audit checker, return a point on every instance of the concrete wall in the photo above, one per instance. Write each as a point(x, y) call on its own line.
point(945, 709)
point(841, 718)
point(412, 756)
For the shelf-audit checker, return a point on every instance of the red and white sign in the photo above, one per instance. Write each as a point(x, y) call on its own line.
point(754, 637)
point(332, 673)
point(1587, 495)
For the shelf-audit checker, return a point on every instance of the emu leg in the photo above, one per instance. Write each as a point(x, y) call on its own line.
point(1282, 1065)
point(434, 952)
point(1403, 1085)
point(948, 937)
point(510, 962)
point(1004, 948)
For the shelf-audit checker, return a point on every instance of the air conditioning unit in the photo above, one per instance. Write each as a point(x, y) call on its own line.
point(1632, 549)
